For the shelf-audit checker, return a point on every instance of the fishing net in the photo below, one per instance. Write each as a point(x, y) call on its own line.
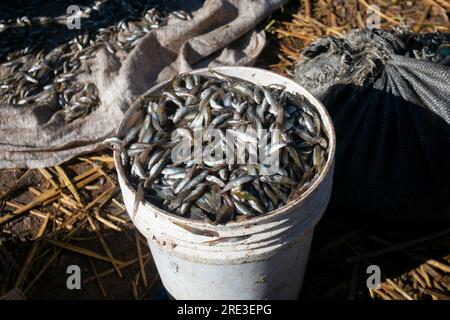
point(219, 33)
point(388, 94)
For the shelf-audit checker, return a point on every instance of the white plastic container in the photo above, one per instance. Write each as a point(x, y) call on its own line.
point(259, 258)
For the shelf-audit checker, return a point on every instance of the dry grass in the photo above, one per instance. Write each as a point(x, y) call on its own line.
point(334, 17)
point(58, 205)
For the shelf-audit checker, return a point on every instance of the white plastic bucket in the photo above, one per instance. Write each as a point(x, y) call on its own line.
point(258, 258)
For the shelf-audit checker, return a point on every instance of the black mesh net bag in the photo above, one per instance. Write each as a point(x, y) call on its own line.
point(388, 93)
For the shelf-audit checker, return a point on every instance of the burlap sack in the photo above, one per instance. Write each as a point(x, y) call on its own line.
point(220, 33)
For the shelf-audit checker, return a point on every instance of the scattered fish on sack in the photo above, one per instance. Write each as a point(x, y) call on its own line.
point(225, 188)
point(34, 76)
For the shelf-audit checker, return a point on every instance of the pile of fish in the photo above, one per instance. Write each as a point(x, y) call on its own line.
point(201, 110)
point(41, 58)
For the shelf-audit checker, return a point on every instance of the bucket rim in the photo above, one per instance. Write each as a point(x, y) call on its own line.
point(323, 113)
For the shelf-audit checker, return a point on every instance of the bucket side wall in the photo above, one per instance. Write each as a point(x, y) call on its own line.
point(279, 277)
